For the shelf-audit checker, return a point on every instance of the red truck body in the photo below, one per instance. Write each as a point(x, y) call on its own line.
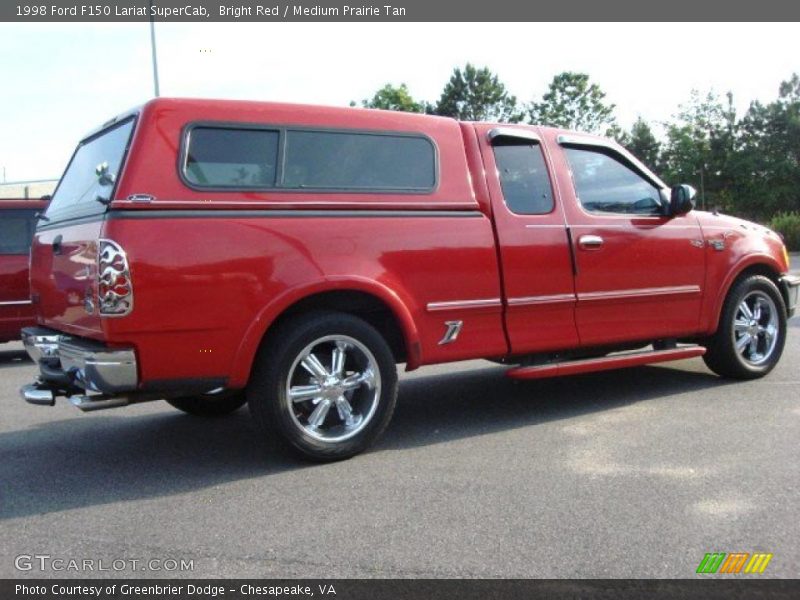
point(17, 223)
point(213, 271)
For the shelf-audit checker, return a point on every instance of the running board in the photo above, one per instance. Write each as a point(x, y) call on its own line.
point(604, 363)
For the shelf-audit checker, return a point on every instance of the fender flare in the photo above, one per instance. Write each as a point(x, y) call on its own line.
point(399, 306)
point(764, 260)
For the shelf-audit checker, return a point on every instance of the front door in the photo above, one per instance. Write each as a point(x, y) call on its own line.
point(639, 272)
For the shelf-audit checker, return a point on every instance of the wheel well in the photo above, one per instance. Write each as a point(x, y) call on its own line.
point(359, 304)
point(758, 269)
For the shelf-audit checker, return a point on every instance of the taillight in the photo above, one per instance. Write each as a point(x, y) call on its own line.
point(114, 287)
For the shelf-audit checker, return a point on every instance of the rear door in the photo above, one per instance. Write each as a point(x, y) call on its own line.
point(640, 273)
point(533, 240)
point(64, 251)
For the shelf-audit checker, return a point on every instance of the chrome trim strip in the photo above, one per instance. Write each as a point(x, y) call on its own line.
point(464, 304)
point(513, 132)
point(15, 303)
point(580, 140)
point(640, 293)
point(534, 300)
point(212, 213)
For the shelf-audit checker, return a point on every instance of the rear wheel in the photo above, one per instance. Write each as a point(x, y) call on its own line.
point(752, 330)
point(326, 384)
point(213, 405)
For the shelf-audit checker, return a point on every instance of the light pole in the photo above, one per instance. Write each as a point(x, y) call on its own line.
point(153, 49)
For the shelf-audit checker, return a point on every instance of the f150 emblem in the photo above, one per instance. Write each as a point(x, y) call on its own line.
point(453, 329)
point(718, 245)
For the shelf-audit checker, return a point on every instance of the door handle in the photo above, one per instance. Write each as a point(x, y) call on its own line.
point(590, 242)
point(57, 244)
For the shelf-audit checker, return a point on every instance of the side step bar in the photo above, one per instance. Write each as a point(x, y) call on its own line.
point(604, 363)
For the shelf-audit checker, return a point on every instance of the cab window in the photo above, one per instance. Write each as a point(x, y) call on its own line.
point(604, 184)
point(523, 178)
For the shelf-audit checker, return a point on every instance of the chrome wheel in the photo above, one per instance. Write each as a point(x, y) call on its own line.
point(755, 328)
point(333, 388)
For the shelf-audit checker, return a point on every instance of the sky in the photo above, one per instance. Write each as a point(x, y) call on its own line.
point(59, 81)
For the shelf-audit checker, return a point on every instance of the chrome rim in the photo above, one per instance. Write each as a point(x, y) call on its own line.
point(755, 328)
point(333, 388)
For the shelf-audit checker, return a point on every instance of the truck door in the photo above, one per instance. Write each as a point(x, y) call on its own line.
point(533, 240)
point(640, 272)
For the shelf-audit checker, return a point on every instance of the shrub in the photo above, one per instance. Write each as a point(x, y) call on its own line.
point(788, 225)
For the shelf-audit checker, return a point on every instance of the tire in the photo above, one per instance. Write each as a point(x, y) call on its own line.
point(343, 377)
point(210, 406)
point(748, 342)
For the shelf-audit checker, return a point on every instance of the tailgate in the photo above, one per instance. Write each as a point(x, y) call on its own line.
point(64, 255)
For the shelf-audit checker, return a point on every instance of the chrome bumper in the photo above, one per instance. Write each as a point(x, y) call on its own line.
point(790, 285)
point(82, 369)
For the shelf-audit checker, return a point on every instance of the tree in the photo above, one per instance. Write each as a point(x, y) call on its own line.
point(391, 97)
point(477, 95)
point(700, 148)
point(572, 102)
point(766, 166)
point(642, 143)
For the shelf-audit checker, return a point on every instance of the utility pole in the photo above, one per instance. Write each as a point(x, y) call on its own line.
point(153, 49)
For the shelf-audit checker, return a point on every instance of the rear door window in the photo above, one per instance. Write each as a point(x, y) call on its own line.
point(524, 179)
point(89, 181)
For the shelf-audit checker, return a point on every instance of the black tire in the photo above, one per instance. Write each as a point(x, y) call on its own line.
point(279, 366)
point(210, 406)
point(722, 355)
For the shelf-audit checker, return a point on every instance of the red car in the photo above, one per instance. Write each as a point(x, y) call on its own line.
point(214, 253)
point(17, 223)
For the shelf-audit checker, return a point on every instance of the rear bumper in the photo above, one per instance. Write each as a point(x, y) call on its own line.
point(69, 365)
point(790, 285)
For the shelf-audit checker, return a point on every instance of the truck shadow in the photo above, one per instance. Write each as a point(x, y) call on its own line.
point(13, 358)
point(111, 457)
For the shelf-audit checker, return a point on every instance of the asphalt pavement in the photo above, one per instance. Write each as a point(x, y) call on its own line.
point(633, 473)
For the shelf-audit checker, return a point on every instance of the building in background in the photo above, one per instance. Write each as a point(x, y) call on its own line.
point(28, 189)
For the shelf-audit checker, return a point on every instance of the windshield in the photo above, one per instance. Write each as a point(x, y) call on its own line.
point(89, 180)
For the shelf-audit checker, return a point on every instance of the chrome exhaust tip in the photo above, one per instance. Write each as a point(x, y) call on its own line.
point(90, 403)
point(33, 394)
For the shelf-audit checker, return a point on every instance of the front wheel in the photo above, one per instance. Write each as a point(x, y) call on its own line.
point(752, 330)
point(326, 384)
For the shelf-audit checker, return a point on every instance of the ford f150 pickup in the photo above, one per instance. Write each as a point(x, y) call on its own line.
point(216, 253)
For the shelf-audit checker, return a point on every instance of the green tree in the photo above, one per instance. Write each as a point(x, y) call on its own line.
point(642, 143)
point(700, 148)
point(572, 102)
point(766, 167)
point(474, 94)
point(391, 97)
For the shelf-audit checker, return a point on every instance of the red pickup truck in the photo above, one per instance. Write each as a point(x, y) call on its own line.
point(17, 223)
point(213, 253)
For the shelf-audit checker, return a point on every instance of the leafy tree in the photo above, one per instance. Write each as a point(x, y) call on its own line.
point(391, 97)
point(642, 143)
point(766, 167)
point(474, 94)
point(700, 148)
point(572, 102)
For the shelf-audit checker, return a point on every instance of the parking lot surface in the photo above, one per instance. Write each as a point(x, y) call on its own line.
point(634, 473)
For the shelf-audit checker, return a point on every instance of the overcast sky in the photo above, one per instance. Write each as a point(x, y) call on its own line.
point(59, 81)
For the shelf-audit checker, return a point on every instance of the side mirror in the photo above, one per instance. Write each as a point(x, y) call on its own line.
point(681, 199)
